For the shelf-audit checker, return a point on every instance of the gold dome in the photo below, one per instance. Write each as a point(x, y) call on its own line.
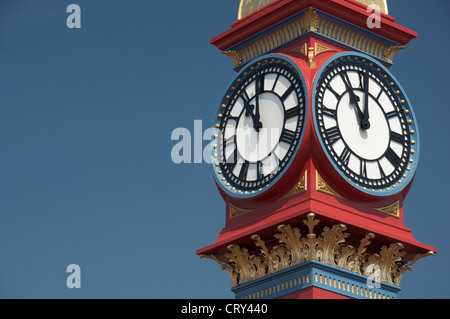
point(248, 6)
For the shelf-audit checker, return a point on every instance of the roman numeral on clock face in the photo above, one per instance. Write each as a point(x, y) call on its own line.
point(392, 157)
point(329, 112)
point(391, 115)
point(380, 168)
point(363, 168)
point(287, 136)
point(259, 172)
point(345, 156)
point(244, 170)
point(292, 112)
point(333, 135)
point(330, 88)
point(287, 93)
point(397, 137)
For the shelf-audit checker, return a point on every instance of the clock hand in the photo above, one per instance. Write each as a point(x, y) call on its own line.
point(258, 124)
point(249, 111)
point(365, 124)
point(354, 99)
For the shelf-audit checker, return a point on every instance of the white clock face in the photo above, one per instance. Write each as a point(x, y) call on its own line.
point(261, 122)
point(364, 124)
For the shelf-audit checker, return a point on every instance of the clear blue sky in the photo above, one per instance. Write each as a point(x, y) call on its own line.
point(86, 118)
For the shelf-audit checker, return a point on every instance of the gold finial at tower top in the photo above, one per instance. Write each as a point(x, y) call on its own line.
point(248, 6)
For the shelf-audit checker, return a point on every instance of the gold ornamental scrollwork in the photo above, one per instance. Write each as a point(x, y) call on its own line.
point(392, 209)
point(300, 187)
point(311, 52)
point(310, 21)
point(234, 56)
point(235, 211)
point(330, 247)
point(391, 52)
point(323, 187)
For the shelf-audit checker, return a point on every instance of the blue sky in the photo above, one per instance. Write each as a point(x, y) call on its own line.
point(86, 175)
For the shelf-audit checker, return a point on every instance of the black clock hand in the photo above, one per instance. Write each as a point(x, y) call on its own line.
point(365, 124)
point(258, 124)
point(249, 111)
point(354, 99)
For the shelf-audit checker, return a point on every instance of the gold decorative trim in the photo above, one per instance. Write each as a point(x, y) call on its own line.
point(392, 209)
point(311, 52)
point(235, 57)
point(300, 187)
point(234, 211)
point(301, 49)
point(323, 187)
point(311, 21)
point(320, 48)
point(390, 52)
point(330, 248)
point(311, 56)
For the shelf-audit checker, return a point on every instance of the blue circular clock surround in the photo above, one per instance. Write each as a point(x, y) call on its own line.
point(246, 72)
point(398, 98)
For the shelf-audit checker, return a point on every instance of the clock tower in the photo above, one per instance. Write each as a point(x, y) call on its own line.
point(315, 150)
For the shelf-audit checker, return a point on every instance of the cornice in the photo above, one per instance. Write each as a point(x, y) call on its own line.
point(313, 22)
point(292, 248)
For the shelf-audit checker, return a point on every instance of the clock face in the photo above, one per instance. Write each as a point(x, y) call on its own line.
point(260, 125)
point(365, 124)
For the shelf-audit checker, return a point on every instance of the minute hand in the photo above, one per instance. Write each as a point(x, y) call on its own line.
point(354, 99)
point(365, 124)
point(258, 124)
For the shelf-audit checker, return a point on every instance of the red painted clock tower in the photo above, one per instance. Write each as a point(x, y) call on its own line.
point(325, 221)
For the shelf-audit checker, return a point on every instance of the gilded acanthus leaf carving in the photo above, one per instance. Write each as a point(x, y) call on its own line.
point(330, 248)
point(310, 21)
point(332, 239)
point(249, 267)
point(346, 258)
point(276, 259)
point(390, 259)
point(360, 256)
point(230, 268)
point(289, 237)
point(408, 266)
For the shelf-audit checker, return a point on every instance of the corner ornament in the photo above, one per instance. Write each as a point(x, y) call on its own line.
point(330, 248)
point(310, 21)
point(234, 56)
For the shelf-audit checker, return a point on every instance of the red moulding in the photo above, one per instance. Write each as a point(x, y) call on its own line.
point(348, 10)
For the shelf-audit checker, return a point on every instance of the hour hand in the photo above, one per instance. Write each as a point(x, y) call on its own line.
point(249, 112)
point(354, 99)
point(248, 108)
